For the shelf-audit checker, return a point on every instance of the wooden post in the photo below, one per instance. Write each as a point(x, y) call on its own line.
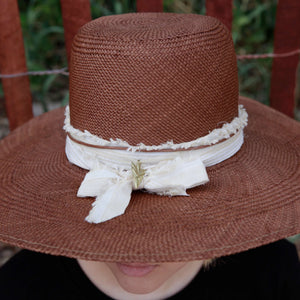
point(286, 39)
point(220, 9)
point(149, 5)
point(75, 14)
point(12, 60)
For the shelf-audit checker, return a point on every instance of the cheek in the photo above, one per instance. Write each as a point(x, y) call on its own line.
point(147, 283)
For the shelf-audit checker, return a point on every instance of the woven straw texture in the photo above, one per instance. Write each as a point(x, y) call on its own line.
point(158, 69)
point(252, 199)
point(152, 78)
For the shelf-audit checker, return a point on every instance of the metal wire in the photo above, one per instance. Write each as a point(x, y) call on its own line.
point(268, 55)
point(63, 71)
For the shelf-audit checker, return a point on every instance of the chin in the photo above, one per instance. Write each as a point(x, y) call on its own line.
point(136, 286)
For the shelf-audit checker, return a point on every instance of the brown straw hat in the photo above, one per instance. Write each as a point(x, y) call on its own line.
point(150, 80)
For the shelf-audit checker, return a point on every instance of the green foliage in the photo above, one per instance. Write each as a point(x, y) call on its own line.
point(44, 47)
point(104, 7)
point(181, 6)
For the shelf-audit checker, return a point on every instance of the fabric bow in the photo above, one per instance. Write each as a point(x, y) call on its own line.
point(113, 174)
point(112, 187)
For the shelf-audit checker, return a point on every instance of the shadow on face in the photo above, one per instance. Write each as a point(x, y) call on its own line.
point(120, 280)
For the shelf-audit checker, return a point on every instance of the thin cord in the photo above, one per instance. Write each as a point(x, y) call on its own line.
point(63, 71)
point(268, 55)
point(37, 73)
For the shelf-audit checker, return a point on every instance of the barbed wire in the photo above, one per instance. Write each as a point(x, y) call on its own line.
point(63, 71)
point(268, 55)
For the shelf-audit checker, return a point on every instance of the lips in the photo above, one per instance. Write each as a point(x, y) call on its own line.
point(136, 270)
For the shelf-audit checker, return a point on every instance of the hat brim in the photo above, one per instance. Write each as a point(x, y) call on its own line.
point(252, 198)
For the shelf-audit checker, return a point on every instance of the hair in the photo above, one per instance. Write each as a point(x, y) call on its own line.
point(207, 263)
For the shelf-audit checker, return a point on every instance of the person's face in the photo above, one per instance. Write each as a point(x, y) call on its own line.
point(157, 279)
point(144, 278)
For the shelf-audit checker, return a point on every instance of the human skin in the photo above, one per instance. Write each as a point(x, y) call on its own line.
point(140, 281)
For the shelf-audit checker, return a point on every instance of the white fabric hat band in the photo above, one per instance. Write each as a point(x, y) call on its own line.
point(113, 174)
point(214, 137)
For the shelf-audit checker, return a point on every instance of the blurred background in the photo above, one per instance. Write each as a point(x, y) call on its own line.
point(252, 33)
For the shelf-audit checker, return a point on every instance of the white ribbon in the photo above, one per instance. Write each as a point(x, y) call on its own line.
point(214, 137)
point(111, 180)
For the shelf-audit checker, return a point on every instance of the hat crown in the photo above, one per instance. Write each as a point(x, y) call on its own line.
point(151, 78)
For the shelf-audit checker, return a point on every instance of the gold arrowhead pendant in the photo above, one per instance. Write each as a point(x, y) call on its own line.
point(138, 173)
